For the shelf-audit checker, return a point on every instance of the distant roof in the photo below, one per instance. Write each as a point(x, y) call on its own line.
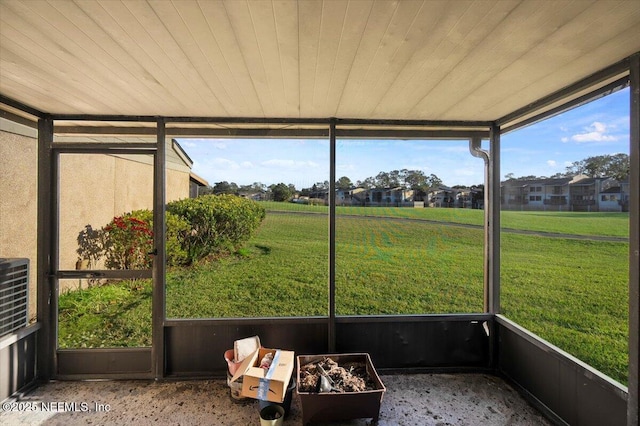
point(612, 190)
point(197, 179)
point(545, 181)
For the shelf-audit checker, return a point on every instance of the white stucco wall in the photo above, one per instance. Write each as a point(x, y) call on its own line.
point(18, 195)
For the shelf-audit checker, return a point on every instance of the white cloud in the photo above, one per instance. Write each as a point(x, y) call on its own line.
point(224, 163)
point(246, 165)
point(464, 172)
point(565, 139)
point(220, 145)
point(289, 164)
point(596, 132)
point(552, 163)
point(346, 167)
point(451, 149)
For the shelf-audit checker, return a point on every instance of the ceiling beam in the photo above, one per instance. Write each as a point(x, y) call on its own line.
point(574, 103)
point(617, 69)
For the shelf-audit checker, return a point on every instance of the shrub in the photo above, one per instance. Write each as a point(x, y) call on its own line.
point(218, 223)
point(128, 239)
point(177, 230)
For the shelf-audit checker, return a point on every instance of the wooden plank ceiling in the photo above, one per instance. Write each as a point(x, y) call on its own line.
point(435, 60)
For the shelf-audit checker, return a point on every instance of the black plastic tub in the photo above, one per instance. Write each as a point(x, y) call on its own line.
point(320, 407)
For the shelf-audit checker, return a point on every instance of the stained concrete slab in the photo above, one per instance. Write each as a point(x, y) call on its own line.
point(417, 399)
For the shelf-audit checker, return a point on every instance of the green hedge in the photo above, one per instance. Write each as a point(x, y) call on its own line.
point(218, 223)
point(197, 228)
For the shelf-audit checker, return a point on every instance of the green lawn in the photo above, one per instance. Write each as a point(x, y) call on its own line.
point(571, 292)
point(576, 223)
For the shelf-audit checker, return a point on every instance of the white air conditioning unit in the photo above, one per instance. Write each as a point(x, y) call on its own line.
point(14, 294)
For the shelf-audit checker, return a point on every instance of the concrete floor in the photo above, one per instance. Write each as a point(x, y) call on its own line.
point(421, 399)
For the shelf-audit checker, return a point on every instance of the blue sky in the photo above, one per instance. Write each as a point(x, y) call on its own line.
point(543, 149)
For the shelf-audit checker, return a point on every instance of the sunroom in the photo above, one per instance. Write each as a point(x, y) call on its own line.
point(103, 105)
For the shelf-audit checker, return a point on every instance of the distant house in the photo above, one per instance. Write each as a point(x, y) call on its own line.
point(196, 185)
point(579, 193)
point(319, 195)
point(397, 196)
point(463, 198)
point(538, 194)
point(584, 194)
point(477, 197)
point(514, 194)
point(374, 197)
point(442, 197)
point(351, 197)
point(614, 196)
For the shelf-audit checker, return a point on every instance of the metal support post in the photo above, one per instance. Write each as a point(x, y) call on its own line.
point(494, 220)
point(475, 148)
point(634, 244)
point(332, 236)
point(159, 261)
point(46, 349)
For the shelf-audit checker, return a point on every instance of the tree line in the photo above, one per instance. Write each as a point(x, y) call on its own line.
point(406, 179)
point(615, 166)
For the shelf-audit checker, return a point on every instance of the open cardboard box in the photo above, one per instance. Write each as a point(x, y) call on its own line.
point(270, 385)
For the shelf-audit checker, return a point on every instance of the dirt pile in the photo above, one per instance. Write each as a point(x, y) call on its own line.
point(349, 377)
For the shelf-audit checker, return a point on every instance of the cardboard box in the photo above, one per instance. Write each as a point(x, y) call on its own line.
point(322, 407)
point(270, 385)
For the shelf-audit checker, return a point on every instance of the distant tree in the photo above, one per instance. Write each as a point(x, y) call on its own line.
point(258, 187)
point(395, 178)
point(280, 192)
point(319, 186)
point(382, 180)
point(253, 189)
point(207, 190)
point(528, 177)
point(560, 175)
point(415, 179)
point(434, 181)
point(368, 183)
point(344, 183)
point(615, 166)
point(509, 176)
point(225, 187)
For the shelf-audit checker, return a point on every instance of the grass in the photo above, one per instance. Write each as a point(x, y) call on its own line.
point(574, 223)
point(113, 315)
point(571, 292)
point(281, 272)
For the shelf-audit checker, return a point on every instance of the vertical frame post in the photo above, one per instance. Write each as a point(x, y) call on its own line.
point(332, 236)
point(475, 148)
point(633, 400)
point(45, 261)
point(159, 262)
point(493, 298)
